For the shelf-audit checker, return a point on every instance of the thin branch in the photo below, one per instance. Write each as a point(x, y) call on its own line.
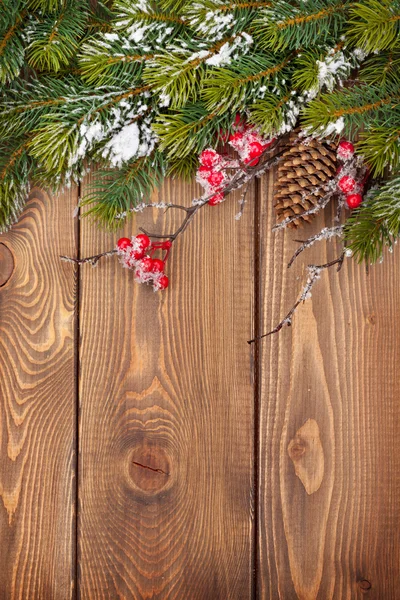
point(93, 260)
point(314, 273)
point(311, 211)
point(325, 234)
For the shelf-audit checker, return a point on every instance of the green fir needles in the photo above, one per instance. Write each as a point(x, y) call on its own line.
point(141, 87)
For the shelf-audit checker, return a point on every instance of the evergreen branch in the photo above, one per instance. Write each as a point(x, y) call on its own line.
point(188, 131)
point(351, 108)
point(374, 25)
point(231, 89)
point(381, 69)
point(15, 167)
point(55, 39)
point(12, 49)
point(287, 25)
point(376, 223)
point(179, 76)
point(381, 148)
point(114, 193)
point(103, 62)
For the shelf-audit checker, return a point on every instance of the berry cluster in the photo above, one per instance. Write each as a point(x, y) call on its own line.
point(248, 143)
point(213, 173)
point(352, 174)
point(137, 254)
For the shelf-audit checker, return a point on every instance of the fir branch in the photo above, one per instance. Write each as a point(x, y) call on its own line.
point(376, 223)
point(103, 62)
point(287, 25)
point(374, 25)
point(347, 110)
point(381, 69)
point(12, 47)
point(115, 192)
point(245, 81)
point(56, 37)
point(381, 148)
point(188, 131)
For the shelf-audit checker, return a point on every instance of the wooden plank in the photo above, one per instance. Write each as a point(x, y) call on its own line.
point(329, 494)
point(37, 402)
point(167, 414)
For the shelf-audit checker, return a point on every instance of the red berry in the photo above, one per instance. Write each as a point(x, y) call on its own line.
point(166, 245)
point(216, 199)
point(345, 150)
point(143, 240)
point(209, 158)
point(235, 139)
point(146, 264)
point(353, 200)
point(216, 178)
point(347, 183)
point(255, 149)
point(157, 265)
point(204, 172)
point(163, 283)
point(124, 243)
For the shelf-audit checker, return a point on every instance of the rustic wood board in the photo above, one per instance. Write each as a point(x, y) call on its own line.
point(329, 479)
point(208, 469)
point(166, 404)
point(37, 402)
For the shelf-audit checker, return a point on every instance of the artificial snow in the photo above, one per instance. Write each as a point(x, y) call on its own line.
point(123, 145)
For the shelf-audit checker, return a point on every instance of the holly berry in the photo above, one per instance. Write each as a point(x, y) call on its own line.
point(347, 183)
point(204, 172)
point(209, 158)
point(345, 150)
point(255, 149)
point(235, 139)
point(162, 283)
point(143, 240)
point(124, 243)
point(157, 265)
point(166, 245)
point(216, 178)
point(216, 199)
point(354, 200)
point(146, 264)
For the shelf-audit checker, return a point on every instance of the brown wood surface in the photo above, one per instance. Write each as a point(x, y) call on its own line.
point(37, 403)
point(166, 468)
point(208, 469)
point(329, 479)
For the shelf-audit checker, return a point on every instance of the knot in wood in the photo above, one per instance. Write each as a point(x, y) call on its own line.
point(149, 468)
point(297, 447)
point(6, 264)
point(364, 584)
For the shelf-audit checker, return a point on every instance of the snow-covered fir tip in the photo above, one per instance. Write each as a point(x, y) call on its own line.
point(214, 24)
point(333, 70)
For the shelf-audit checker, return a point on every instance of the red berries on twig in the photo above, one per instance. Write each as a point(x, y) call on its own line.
point(137, 253)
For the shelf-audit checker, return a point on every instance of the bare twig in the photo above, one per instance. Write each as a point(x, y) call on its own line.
point(93, 260)
point(311, 211)
point(314, 273)
point(325, 234)
point(244, 174)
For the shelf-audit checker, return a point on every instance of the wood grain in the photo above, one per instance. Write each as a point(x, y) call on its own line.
point(166, 466)
point(338, 366)
point(37, 402)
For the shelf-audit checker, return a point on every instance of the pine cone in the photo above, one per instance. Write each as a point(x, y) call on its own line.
point(303, 168)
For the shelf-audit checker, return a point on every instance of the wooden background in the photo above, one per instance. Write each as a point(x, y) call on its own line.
point(148, 452)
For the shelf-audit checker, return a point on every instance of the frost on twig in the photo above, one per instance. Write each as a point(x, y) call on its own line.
point(326, 233)
point(314, 273)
